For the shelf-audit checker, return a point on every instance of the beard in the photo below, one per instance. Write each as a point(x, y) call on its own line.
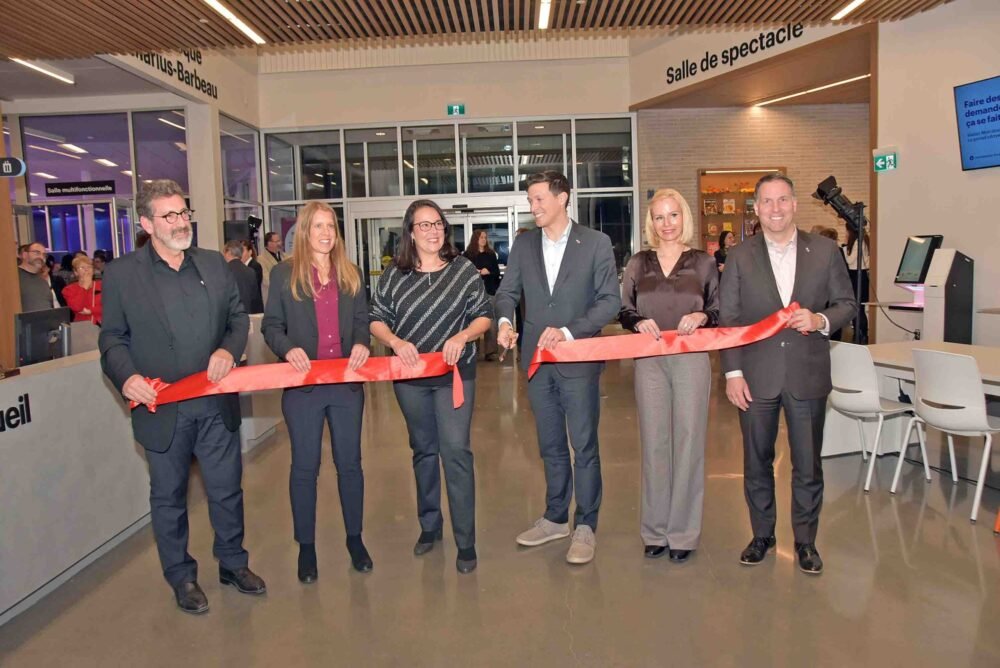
point(178, 239)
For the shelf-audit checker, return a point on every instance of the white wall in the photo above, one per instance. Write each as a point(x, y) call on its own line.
point(377, 95)
point(921, 59)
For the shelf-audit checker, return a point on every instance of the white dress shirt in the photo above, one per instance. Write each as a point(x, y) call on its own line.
point(552, 256)
point(783, 260)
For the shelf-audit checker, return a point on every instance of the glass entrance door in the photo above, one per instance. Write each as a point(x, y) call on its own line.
point(378, 239)
point(123, 239)
point(496, 223)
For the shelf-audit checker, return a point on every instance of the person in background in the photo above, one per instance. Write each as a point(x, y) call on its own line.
point(246, 279)
point(250, 260)
point(101, 258)
point(269, 259)
point(36, 293)
point(851, 256)
point(671, 287)
point(828, 232)
point(141, 239)
point(317, 310)
point(788, 372)
point(482, 255)
point(83, 296)
point(726, 241)
point(172, 310)
point(431, 299)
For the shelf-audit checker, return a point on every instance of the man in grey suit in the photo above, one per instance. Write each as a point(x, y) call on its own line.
point(171, 310)
point(570, 283)
point(790, 371)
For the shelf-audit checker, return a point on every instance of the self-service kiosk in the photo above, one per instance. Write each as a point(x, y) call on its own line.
point(941, 282)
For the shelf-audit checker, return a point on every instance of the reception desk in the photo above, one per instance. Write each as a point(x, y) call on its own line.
point(894, 369)
point(73, 482)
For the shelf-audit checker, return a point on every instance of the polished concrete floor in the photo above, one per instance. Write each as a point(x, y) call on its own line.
point(908, 581)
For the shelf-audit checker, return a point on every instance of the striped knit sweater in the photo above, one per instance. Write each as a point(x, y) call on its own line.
point(429, 308)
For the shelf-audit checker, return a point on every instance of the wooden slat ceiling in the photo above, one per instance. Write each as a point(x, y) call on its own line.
point(59, 29)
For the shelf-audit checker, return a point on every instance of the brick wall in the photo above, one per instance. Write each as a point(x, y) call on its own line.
point(810, 141)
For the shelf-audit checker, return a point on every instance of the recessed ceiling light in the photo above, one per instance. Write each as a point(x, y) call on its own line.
point(47, 70)
point(539, 127)
point(181, 146)
point(74, 148)
point(543, 14)
point(44, 175)
point(812, 90)
point(106, 162)
point(379, 134)
point(127, 172)
point(236, 21)
point(170, 123)
point(850, 7)
point(33, 194)
point(49, 150)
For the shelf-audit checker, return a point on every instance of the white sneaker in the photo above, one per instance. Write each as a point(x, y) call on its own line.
point(542, 532)
point(581, 551)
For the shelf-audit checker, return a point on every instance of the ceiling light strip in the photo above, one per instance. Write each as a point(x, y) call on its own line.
point(235, 20)
point(47, 70)
point(812, 90)
point(49, 150)
point(850, 7)
point(544, 11)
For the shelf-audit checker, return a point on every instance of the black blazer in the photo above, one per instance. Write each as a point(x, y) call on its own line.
point(136, 338)
point(246, 282)
point(748, 292)
point(291, 324)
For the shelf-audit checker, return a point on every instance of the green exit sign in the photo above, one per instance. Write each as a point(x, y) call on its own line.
point(456, 110)
point(885, 162)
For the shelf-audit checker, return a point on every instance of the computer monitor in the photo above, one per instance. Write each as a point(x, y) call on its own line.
point(916, 258)
point(40, 335)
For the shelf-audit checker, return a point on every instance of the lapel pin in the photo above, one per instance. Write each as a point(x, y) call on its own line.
point(577, 241)
point(807, 249)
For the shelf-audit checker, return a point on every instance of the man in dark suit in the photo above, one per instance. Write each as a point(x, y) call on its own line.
point(170, 311)
point(250, 261)
point(790, 371)
point(246, 279)
point(570, 283)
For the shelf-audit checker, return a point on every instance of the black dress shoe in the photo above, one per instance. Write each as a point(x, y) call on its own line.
point(654, 551)
point(680, 556)
point(244, 579)
point(466, 561)
point(190, 598)
point(809, 561)
point(308, 571)
point(425, 543)
point(757, 550)
point(360, 558)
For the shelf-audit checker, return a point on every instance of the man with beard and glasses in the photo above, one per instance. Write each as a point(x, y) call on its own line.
point(36, 294)
point(171, 311)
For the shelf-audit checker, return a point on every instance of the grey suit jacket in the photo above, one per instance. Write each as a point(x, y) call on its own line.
point(136, 338)
point(748, 292)
point(291, 324)
point(586, 295)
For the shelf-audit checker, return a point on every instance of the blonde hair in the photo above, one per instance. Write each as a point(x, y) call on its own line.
point(687, 221)
point(348, 276)
point(81, 260)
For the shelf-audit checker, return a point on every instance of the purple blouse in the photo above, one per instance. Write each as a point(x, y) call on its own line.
point(327, 301)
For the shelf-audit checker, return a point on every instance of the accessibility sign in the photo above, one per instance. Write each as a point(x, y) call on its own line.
point(12, 167)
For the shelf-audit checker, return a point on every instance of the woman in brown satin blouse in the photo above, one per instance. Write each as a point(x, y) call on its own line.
point(671, 286)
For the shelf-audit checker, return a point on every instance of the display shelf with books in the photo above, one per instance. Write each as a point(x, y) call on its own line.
point(726, 203)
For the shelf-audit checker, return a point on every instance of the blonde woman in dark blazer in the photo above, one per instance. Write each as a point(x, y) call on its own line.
point(316, 310)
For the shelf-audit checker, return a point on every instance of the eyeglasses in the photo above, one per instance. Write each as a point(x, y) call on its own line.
point(173, 216)
point(427, 226)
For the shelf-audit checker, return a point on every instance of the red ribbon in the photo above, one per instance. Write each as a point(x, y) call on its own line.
point(634, 346)
point(321, 372)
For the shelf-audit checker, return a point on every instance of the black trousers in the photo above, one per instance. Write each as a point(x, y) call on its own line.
point(804, 418)
point(201, 433)
point(439, 434)
point(564, 404)
point(305, 410)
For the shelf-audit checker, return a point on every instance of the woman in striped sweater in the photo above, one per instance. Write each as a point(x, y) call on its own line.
point(431, 299)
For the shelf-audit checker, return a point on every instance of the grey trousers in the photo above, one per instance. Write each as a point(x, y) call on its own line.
point(671, 393)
